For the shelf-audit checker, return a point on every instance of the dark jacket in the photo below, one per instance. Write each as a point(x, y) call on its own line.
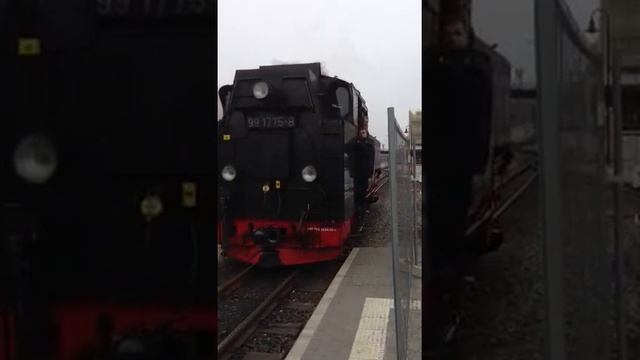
point(361, 154)
point(458, 110)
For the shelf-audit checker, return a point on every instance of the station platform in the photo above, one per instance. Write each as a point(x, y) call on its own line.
point(355, 318)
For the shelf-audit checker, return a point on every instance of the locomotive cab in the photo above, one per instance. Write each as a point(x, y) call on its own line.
point(285, 190)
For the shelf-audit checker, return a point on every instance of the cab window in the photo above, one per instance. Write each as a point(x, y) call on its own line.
point(342, 99)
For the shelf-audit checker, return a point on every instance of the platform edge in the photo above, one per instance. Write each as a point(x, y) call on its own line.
point(300, 346)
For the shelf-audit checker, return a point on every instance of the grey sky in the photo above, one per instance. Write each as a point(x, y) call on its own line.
point(510, 24)
point(375, 44)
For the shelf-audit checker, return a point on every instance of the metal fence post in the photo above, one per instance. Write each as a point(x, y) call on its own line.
point(547, 46)
point(577, 238)
point(395, 245)
point(402, 224)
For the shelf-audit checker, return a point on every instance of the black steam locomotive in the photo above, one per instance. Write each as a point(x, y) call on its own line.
point(286, 193)
point(106, 158)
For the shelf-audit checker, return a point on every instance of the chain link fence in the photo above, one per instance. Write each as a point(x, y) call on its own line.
point(578, 241)
point(402, 228)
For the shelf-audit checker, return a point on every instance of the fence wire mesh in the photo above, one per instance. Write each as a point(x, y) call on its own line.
point(402, 228)
point(579, 277)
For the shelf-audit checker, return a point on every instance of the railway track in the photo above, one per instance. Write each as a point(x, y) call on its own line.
point(272, 329)
point(246, 327)
point(233, 283)
point(378, 182)
point(513, 185)
point(527, 174)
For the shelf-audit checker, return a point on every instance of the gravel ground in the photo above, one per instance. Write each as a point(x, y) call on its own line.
point(228, 268)
point(631, 236)
point(278, 331)
point(377, 222)
point(505, 307)
point(242, 301)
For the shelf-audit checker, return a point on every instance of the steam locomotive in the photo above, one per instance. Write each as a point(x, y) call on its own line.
point(107, 197)
point(286, 193)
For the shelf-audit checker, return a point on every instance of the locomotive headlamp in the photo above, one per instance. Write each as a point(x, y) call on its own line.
point(260, 90)
point(229, 173)
point(35, 159)
point(151, 206)
point(309, 173)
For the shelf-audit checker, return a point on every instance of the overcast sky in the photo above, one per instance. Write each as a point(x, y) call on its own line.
point(509, 23)
point(375, 44)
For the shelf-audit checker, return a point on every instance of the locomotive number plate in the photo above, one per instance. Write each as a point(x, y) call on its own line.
point(271, 122)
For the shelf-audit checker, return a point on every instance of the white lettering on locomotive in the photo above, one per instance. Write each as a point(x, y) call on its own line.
point(270, 121)
point(321, 229)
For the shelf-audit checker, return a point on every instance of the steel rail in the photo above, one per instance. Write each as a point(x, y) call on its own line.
point(250, 323)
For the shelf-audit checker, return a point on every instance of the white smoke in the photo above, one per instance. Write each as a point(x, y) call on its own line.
point(323, 66)
point(282, 62)
point(323, 69)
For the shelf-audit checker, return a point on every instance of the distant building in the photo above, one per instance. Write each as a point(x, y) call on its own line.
point(624, 30)
point(523, 105)
point(415, 130)
point(415, 126)
point(626, 44)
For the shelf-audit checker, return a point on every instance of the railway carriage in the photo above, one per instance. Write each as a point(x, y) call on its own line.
point(107, 160)
point(285, 189)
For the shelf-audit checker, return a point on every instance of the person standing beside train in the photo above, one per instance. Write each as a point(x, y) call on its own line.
point(456, 126)
point(361, 152)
